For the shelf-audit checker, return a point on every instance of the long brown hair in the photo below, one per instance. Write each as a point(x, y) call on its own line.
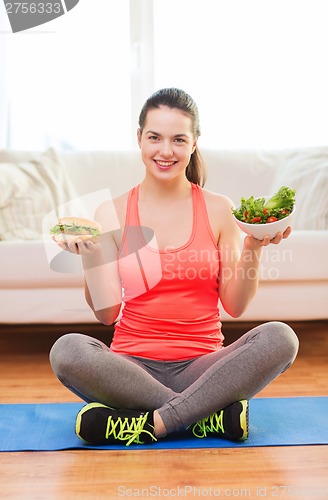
point(178, 99)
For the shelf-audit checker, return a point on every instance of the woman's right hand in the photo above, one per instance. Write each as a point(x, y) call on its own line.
point(77, 246)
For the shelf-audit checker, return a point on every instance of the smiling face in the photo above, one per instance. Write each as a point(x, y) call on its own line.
point(166, 142)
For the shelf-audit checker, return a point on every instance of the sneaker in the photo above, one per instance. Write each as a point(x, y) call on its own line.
point(230, 423)
point(100, 424)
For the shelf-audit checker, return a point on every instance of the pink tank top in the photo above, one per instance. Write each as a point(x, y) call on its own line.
point(170, 296)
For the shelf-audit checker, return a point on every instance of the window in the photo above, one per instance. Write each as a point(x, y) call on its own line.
point(68, 81)
point(255, 68)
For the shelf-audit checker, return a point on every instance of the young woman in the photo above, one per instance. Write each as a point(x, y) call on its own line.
point(177, 254)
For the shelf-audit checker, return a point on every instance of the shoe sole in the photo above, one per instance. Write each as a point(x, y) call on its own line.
point(244, 419)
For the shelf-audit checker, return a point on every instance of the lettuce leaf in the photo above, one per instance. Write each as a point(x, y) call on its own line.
point(280, 205)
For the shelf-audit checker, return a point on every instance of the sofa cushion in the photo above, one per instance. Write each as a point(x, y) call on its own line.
point(307, 172)
point(91, 171)
point(30, 187)
point(26, 264)
point(240, 173)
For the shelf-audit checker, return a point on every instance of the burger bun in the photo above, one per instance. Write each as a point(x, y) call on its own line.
point(79, 221)
point(73, 238)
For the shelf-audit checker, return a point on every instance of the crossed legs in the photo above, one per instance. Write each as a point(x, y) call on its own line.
point(179, 393)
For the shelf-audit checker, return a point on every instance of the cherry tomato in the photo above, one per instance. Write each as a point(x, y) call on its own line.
point(255, 220)
point(272, 219)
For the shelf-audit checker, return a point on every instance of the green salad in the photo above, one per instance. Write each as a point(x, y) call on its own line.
point(258, 211)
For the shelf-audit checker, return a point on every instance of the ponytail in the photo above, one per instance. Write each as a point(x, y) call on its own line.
point(196, 169)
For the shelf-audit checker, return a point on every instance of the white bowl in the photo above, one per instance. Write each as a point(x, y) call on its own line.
point(259, 231)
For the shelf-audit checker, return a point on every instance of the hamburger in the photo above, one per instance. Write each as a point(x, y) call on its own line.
point(73, 228)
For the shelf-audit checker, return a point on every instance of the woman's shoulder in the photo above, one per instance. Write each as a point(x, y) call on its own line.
point(216, 200)
point(120, 204)
point(111, 213)
point(219, 211)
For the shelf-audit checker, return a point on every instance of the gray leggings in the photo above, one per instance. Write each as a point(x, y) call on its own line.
point(183, 392)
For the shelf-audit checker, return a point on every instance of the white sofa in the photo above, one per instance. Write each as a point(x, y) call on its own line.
point(294, 275)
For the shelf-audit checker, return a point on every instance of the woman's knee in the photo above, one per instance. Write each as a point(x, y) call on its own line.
point(64, 352)
point(285, 339)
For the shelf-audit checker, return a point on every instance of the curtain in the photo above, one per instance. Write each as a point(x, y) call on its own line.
point(4, 95)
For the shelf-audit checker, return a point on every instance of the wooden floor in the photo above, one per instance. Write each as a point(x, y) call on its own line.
point(289, 472)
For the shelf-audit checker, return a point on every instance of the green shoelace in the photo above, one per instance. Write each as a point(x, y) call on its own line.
point(211, 424)
point(127, 429)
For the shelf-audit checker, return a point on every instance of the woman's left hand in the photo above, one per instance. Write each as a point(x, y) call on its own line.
point(253, 243)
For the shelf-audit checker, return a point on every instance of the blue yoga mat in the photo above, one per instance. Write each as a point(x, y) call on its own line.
point(273, 422)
